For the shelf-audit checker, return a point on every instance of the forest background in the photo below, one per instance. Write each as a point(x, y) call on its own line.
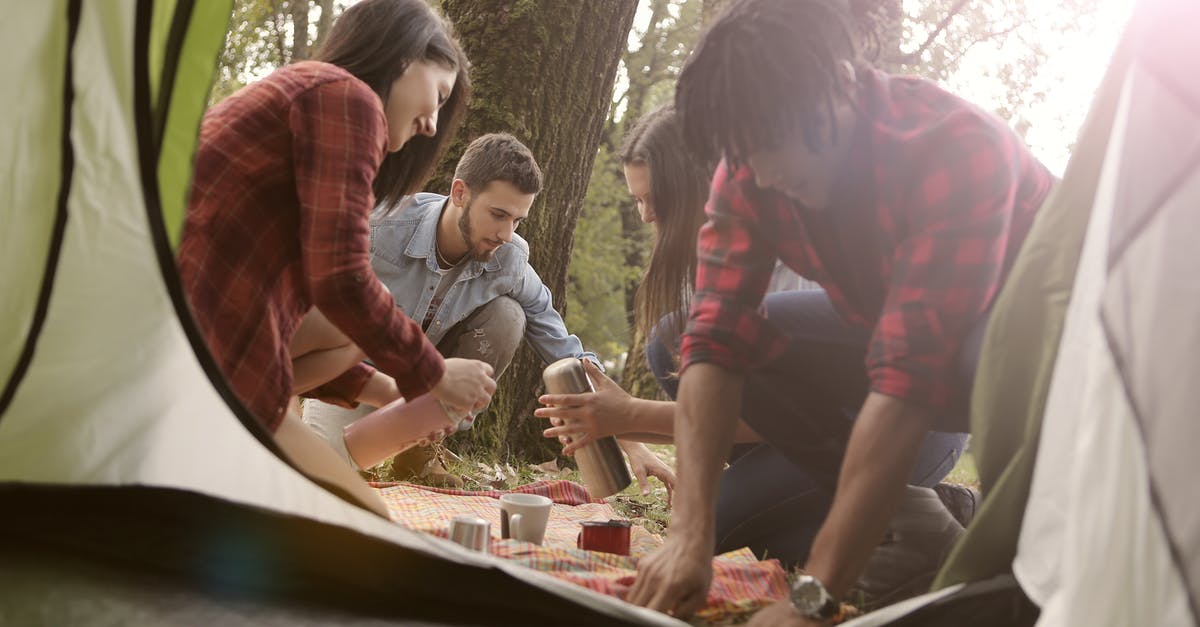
point(569, 77)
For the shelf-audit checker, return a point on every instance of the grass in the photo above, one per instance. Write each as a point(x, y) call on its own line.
point(964, 472)
point(651, 511)
point(481, 472)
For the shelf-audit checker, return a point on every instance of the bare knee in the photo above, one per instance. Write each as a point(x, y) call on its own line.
point(317, 333)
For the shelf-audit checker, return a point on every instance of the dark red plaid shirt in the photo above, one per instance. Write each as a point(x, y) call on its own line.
point(277, 224)
point(925, 219)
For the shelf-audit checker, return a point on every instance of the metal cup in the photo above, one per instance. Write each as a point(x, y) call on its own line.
point(471, 532)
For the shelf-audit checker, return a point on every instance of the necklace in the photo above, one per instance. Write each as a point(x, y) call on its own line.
point(442, 261)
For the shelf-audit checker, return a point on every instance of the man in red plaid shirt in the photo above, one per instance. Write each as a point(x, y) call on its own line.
point(907, 205)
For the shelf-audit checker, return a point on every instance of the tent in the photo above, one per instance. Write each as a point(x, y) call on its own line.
point(135, 488)
point(1083, 402)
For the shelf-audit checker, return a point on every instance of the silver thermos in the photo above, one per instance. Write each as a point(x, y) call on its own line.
point(601, 462)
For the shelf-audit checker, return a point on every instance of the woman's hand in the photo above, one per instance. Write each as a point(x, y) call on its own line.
point(467, 384)
point(646, 464)
point(586, 417)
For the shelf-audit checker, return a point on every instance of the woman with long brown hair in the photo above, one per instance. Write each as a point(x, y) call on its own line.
point(765, 501)
point(275, 249)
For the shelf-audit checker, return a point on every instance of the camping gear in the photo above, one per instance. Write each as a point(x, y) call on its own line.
point(472, 532)
point(524, 516)
point(1083, 416)
point(605, 536)
point(601, 464)
point(127, 464)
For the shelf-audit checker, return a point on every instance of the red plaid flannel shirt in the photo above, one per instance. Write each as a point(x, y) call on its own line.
point(277, 224)
point(925, 220)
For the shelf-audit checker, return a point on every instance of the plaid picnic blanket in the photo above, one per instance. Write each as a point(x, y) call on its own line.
point(741, 583)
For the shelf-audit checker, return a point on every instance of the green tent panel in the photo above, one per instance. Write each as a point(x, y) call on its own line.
point(125, 462)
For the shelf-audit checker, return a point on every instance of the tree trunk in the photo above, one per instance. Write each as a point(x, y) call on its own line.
point(711, 9)
point(323, 22)
point(299, 9)
point(279, 19)
point(543, 70)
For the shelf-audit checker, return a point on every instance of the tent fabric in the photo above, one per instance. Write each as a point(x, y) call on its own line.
point(35, 131)
point(1020, 349)
point(1108, 529)
point(51, 589)
point(1112, 532)
point(117, 436)
point(995, 602)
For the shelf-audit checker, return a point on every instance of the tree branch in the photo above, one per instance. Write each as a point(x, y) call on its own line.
point(915, 56)
point(988, 37)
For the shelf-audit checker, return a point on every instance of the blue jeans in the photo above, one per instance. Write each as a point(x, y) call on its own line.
point(774, 497)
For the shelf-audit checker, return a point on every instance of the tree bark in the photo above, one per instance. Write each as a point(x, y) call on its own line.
point(299, 9)
point(543, 70)
point(323, 22)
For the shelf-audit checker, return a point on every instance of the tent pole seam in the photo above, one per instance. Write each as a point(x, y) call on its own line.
point(148, 155)
point(1179, 561)
point(74, 9)
point(147, 166)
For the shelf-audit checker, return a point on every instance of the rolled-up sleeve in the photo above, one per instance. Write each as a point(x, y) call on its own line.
point(734, 263)
point(339, 137)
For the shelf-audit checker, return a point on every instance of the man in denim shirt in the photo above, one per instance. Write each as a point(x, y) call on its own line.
point(456, 265)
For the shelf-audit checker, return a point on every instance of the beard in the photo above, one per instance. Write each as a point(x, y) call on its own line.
point(475, 250)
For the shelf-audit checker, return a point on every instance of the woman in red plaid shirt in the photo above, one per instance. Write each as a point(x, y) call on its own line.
point(906, 204)
point(274, 254)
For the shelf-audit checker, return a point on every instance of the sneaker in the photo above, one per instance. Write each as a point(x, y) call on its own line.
point(425, 465)
point(919, 538)
point(962, 501)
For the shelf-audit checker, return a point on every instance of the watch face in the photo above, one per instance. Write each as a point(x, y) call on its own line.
point(808, 595)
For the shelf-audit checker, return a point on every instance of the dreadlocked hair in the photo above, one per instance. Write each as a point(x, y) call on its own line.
point(764, 73)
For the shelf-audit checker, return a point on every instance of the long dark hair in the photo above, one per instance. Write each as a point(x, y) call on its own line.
point(376, 41)
point(678, 189)
point(765, 72)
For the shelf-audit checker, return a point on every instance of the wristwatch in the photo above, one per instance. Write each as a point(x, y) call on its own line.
point(811, 599)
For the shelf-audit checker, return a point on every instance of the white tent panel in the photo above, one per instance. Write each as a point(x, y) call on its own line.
point(1092, 551)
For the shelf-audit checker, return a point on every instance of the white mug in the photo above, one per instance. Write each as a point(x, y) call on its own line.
point(524, 517)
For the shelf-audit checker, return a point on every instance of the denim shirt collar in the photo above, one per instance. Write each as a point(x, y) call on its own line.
point(421, 246)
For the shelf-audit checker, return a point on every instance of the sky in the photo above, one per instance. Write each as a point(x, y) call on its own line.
point(1070, 77)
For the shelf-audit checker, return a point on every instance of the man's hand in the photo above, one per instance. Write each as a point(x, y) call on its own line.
point(879, 458)
point(675, 578)
point(645, 464)
point(782, 614)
